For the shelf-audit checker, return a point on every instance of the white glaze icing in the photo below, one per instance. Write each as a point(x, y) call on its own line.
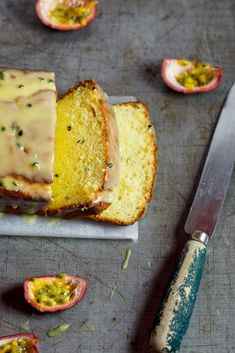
point(27, 131)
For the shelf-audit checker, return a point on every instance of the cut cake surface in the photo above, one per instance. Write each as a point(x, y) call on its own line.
point(138, 165)
point(86, 152)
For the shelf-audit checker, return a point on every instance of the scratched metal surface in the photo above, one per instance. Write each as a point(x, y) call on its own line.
point(122, 50)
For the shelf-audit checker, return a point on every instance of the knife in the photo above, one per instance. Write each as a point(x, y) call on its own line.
point(172, 321)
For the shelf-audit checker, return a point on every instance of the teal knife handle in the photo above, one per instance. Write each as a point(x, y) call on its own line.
point(177, 306)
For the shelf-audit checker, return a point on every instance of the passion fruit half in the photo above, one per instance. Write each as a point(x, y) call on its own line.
point(66, 15)
point(187, 76)
point(54, 293)
point(20, 343)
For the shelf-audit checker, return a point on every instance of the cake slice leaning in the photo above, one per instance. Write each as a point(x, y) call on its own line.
point(138, 165)
point(86, 166)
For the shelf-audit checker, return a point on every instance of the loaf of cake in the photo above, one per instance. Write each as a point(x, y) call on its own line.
point(86, 166)
point(138, 165)
point(72, 165)
point(27, 130)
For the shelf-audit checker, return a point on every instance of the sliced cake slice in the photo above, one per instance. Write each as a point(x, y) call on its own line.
point(138, 165)
point(86, 152)
point(27, 130)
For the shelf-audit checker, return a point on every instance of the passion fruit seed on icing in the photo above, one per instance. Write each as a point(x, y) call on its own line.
point(199, 74)
point(51, 293)
point(70, 13)
point(16, 346)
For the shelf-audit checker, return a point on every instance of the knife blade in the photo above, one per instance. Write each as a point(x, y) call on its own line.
point(217, 171)
point(177, 306)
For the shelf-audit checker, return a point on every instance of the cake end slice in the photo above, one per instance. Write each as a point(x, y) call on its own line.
point(138, 165)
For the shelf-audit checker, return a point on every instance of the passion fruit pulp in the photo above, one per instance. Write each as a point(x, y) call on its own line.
point(21, 343)
point(54, 293)
point(66, 15)
point(190, 76)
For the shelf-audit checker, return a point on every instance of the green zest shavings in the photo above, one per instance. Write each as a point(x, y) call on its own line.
point(88, 327)
point(126, 260)
point(30, 219)
point(20, 146)
point(24, 326)
point(15, 127)
point(112, 292)
point(54, 332)
point(53, 221)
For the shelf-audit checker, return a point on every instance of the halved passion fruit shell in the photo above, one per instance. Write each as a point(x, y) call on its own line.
point(21, 343)
point(66, 15)
point(190, 76)
point(54, 293)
